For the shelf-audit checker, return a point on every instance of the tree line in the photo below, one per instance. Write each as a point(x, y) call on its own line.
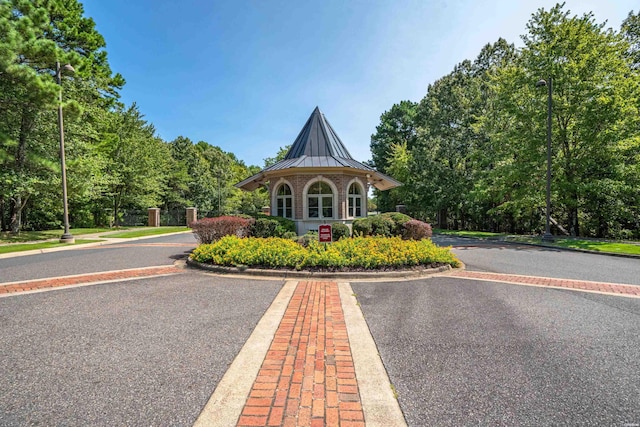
point(115, 160)
point(472, 152)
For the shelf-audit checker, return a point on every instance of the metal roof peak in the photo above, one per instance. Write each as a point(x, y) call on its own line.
point(318, 146)
point(318, 139)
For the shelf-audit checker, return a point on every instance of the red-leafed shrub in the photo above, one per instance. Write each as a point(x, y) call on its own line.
point(416, 230)
point(209, 230)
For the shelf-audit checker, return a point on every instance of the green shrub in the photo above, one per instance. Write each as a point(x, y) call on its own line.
point(265, 227)
point(362, 227)
point(339, 230)
point(285, 223)
point(309, 237)
point(399, 219)
point(382, 226)
point(386, 224)
point(291, 235)
point(359, 252)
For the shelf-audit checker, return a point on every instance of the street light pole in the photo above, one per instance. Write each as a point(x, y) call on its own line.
point(219, 175)
point(548, 237)
point(66, 236)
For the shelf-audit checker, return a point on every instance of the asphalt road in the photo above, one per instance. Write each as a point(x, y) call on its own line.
point(496, 257)
point(155, 251)
point(459, 352)
point(144, 352)
point(480, 353)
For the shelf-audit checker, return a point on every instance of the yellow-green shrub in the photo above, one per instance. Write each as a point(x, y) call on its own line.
point(252, 251)
point(359, 252)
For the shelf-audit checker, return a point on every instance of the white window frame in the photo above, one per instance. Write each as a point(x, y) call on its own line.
point(351, 198)
point(286, 199)
point(306, 195)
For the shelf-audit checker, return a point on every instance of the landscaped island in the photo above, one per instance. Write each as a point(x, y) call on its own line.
point(389, 244)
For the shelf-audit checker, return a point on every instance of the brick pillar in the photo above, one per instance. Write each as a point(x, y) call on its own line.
point(154, 217)
point(401, 209)
point(192, 216)
point(266, 210)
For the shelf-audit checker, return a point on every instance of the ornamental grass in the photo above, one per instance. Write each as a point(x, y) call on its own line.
point(358, 253)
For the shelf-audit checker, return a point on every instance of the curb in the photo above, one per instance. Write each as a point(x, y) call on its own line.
point(305, 274)
point(381, 408)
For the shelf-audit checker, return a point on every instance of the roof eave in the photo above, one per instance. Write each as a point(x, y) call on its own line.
point(383, 182)
point(253, 182)
point(379, 180)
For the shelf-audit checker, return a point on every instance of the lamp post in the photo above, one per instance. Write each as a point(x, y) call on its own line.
point(219, 175)
point(66, 236)
point(548, 237)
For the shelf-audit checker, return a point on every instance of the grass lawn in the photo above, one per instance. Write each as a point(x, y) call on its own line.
point(589, 245)
point(592, 245)
point(20, 247)
point(462, 233)
point(30, 236)
point(146, 231)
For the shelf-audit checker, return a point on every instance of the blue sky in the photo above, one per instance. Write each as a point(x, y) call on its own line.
point(245, 75)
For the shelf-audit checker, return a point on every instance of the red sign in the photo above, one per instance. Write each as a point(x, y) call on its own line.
point(324, 233)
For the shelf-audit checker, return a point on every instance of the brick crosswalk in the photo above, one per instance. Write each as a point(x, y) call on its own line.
point(307, 377)
point(584, 285)
point(54, 282)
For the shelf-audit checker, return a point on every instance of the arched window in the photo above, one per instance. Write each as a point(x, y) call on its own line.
point(320, 200)
point(284, 202)
point(355, 201)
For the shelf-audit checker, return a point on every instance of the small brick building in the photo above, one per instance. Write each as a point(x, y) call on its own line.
point(318, 182)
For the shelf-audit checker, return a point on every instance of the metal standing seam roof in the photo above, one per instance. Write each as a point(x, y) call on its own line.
point(317, 139)
point(318, 146)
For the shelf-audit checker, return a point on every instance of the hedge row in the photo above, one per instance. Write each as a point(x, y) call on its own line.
point(392, 224)
point(357, 253)
point(208, 230)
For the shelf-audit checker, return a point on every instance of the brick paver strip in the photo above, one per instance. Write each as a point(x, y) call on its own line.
point(584, 285)
point(307, 377)
point(38, 284)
